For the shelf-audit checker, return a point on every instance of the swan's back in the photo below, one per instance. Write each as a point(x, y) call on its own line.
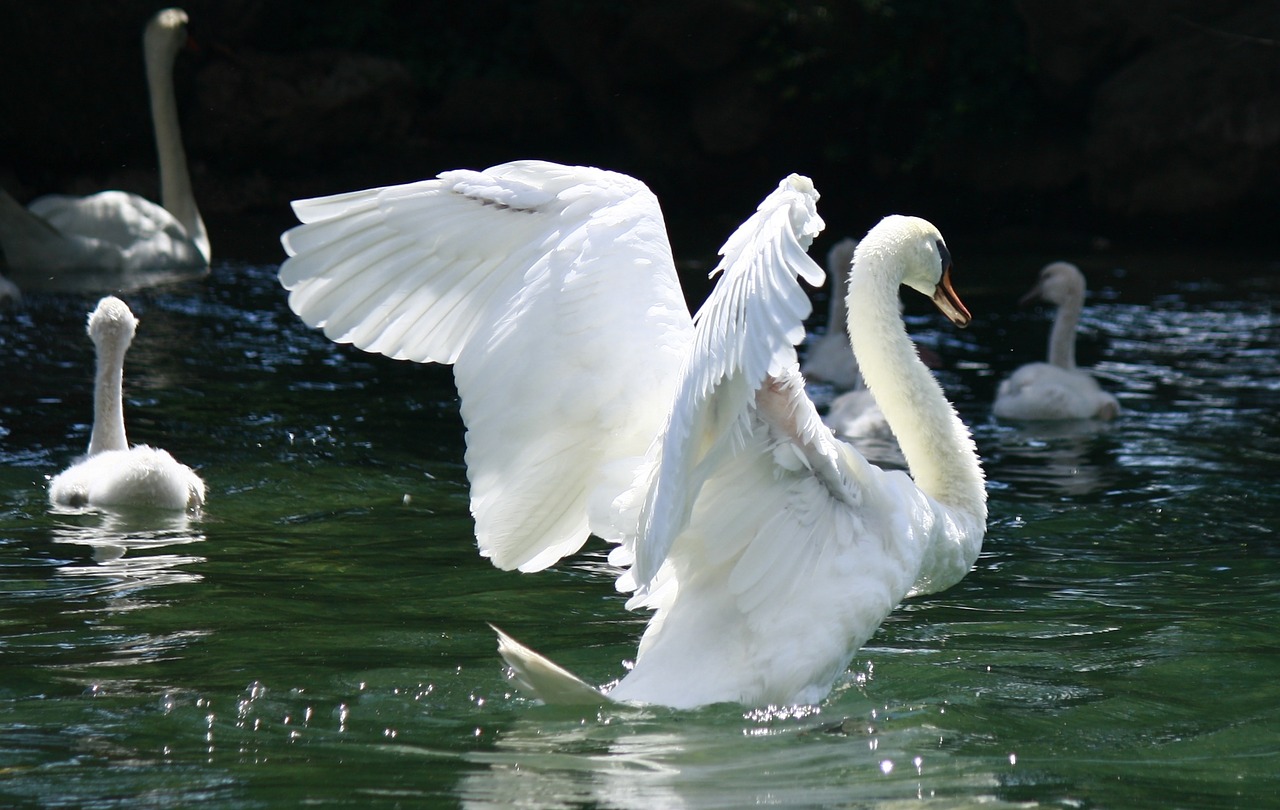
point(1041, 391)
point(115, 230)
point(139, 477)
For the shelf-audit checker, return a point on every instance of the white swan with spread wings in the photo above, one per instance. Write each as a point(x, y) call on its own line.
point(768, 550)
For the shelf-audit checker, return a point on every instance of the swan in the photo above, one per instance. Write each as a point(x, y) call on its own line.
point(830, 358)
point(118, 232)
point(111, 473)
point(768, 550)
point(1056, 389)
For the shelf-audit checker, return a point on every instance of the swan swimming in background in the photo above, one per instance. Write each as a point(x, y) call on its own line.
point(768, 550)
point(112, 473)
point(1057, 389)
point(830, 358)
point(116, 232)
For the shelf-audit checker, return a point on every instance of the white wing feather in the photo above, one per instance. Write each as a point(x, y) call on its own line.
point(553, 292)
point(746, 330)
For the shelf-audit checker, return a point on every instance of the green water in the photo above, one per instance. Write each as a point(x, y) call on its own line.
point(318, 637)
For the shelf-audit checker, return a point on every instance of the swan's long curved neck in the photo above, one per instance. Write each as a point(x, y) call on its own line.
point(176, 194)
point(108, 405)
point(937, 446)
point(1062, 339)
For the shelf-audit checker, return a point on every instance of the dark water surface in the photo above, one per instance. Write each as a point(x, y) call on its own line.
point(318, 636)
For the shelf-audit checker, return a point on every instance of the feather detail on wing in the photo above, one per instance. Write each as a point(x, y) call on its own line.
point(745, 333)
point(553, 292)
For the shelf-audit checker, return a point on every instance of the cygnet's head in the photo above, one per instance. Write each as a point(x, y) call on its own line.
point(166, 32)
point(111, 323)
point(1059, 283)
point(916, 250)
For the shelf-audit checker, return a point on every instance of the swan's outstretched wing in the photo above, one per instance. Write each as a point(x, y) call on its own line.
point(741, 375)
point(553, 292)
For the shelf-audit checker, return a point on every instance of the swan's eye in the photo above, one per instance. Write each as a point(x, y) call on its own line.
point(946, 256)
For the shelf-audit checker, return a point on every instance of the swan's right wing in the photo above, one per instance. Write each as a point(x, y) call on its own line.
point(553, 292)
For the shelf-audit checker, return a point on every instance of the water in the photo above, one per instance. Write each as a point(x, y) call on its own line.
point(319, 635)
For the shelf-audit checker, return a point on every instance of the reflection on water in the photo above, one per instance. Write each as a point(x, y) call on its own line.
point(122, 547)
point(1058, 459)
point(106, 566)
point(635, 759)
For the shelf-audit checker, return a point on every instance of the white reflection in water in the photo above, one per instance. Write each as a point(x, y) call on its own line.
point(1053, 458)
point(643, 762)
point(122, 547)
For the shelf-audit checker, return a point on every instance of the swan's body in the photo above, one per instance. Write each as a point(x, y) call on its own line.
point(769, 550)
point(1056, 390)
point(116, 232)
point(111, 473)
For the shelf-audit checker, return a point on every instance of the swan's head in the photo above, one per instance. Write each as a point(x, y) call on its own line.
point(913, 250)
point(1059, 283)
point(111, 323)
point(166, 33)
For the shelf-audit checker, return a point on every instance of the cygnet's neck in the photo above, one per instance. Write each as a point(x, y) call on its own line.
point(108, 406)
point(937, 446)
point(1062, 339)
point(176, 194)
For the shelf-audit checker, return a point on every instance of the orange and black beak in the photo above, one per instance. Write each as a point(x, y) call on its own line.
point(945, 299)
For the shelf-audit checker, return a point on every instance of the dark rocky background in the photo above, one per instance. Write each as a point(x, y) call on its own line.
point(1021, 122)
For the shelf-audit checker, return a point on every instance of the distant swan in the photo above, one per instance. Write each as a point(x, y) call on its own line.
point(116, 231)
point(1056, 389)
point(769, 550)
point(111, 473)
point(830, 358)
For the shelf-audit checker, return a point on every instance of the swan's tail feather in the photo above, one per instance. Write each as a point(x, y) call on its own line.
point(544, 679)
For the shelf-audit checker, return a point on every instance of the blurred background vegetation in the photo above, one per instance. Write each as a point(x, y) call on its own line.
point(1072, 124)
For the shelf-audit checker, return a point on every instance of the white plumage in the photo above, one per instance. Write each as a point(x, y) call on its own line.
point(112, 474)
point(115, 233)
point(769, 550)
point(1056, 390)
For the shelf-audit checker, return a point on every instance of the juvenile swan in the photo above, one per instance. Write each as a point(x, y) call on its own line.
point(116, 231)
point(112, 473)
point(1056, 390)
point(830, 358)
point(768, 550)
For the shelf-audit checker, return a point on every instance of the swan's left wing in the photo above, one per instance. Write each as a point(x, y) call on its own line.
point(552, 291)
